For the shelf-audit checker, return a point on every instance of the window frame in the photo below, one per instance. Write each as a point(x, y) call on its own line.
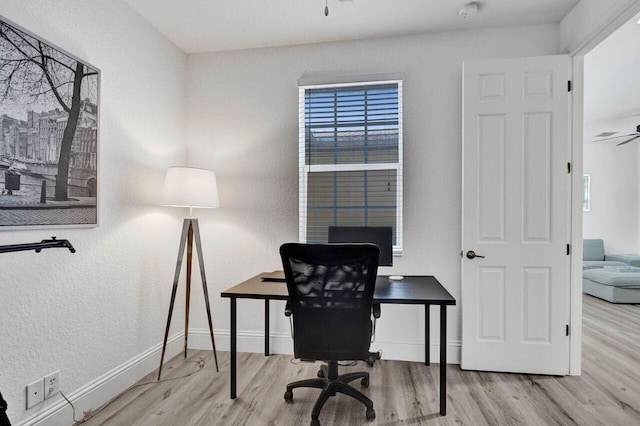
point(304, 170)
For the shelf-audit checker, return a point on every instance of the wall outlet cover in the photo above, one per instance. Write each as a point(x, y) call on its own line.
point(51, 384)
point(35, 393)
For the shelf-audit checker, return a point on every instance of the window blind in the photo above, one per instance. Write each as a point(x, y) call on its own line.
point(350, 158)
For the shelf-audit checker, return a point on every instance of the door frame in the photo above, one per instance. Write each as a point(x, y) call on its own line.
point(577, 59)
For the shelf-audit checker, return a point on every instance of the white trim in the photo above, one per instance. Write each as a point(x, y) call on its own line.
point(575, 296)
point(97, 392)
point(281, 343)
point(302, 176)
point(604, 29)
point(350, 80)
point(317, 168)
point(398, 248)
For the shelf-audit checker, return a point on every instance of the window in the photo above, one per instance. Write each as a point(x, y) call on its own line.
point(350, 158)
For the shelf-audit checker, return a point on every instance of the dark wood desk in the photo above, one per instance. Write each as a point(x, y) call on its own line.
point(414, 290)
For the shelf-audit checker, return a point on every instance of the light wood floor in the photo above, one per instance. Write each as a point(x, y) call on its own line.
point(404, 393)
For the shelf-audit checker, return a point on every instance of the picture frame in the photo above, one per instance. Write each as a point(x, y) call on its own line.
point(586, 193)
point(49, 134)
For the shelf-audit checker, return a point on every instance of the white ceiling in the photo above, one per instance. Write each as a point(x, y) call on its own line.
point(612, 83)
point(216, 25)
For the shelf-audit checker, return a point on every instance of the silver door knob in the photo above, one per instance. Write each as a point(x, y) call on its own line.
point(472, 255)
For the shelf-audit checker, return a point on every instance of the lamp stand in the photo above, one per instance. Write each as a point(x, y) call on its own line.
point(189, 229)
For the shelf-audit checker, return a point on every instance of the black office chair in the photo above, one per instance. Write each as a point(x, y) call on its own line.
point(330, 301)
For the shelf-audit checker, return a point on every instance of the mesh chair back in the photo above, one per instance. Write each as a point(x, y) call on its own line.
point(331, 292)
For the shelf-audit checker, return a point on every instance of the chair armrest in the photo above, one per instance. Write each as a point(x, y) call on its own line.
point(376, 310)
point(287, 313)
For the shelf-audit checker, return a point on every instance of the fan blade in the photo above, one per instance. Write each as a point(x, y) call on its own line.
point(629, 140)
point(617, 137)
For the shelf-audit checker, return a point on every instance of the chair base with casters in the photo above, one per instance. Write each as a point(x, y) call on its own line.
point(331, 383)
point(373, 357)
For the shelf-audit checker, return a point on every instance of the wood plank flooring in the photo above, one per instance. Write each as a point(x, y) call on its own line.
point(404, 393)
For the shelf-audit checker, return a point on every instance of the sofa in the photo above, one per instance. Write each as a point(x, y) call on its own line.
point(593, 256)
point(614, 278)
point(614, 284)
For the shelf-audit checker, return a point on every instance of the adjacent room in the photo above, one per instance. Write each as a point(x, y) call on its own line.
point(611, 279)
point(610, 150)
point(187, 187)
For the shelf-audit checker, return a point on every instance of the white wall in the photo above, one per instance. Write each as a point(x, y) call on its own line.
point(243, 123)
point(614, 196)
point(611, 82)
point(88, 312)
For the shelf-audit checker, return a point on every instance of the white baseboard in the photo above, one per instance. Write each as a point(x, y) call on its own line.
point(281, 343)
point(97, 392)
point(107, 386)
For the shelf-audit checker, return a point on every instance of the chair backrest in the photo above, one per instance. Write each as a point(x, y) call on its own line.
point(331, 293)
point(593, 249)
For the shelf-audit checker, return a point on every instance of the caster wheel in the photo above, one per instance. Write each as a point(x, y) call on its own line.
point(371, 414)
point(371, 361)
point(365, 382)
point(315, 422)
point(288, 395)
point(320, 373)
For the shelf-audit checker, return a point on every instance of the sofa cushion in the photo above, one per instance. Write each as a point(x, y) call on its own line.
point(629, 259)
point(593, 264)
point(610, 293)
point(593, 249)
point(628, 279)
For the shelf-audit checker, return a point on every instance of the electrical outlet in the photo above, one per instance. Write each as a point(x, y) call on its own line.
point(35, 393)
point(51, 384)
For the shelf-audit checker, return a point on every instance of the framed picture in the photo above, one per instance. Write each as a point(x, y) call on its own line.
point(49, 109)
point(586, 193)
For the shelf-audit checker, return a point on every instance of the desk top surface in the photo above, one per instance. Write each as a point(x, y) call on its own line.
point(410, 290)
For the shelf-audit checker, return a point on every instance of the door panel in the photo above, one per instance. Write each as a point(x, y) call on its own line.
point(516, 213)
point(491, 297)
point(491, 170)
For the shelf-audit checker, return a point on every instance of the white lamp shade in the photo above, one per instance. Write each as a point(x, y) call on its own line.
point(190, 187)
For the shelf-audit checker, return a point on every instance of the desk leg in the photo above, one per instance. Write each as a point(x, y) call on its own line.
point(233, 348)
point(266, 327)
point(427, 335)
point(443, 360)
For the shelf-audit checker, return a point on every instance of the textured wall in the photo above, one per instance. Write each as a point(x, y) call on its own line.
point(89, 312)
point(243, 123)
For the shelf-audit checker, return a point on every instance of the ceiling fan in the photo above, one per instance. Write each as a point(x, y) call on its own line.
point(630, 137)
point(326, 6)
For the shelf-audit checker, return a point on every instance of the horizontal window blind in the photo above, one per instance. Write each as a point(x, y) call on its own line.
point(350, 158)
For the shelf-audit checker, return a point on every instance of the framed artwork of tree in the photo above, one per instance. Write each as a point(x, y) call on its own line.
point(49, 105)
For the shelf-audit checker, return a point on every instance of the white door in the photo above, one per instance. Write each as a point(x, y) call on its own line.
point(516, 215)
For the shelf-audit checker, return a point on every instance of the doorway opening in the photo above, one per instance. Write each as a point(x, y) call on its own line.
point(611, 204)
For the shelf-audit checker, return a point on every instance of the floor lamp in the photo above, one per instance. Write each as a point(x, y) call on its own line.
point(193, 188)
